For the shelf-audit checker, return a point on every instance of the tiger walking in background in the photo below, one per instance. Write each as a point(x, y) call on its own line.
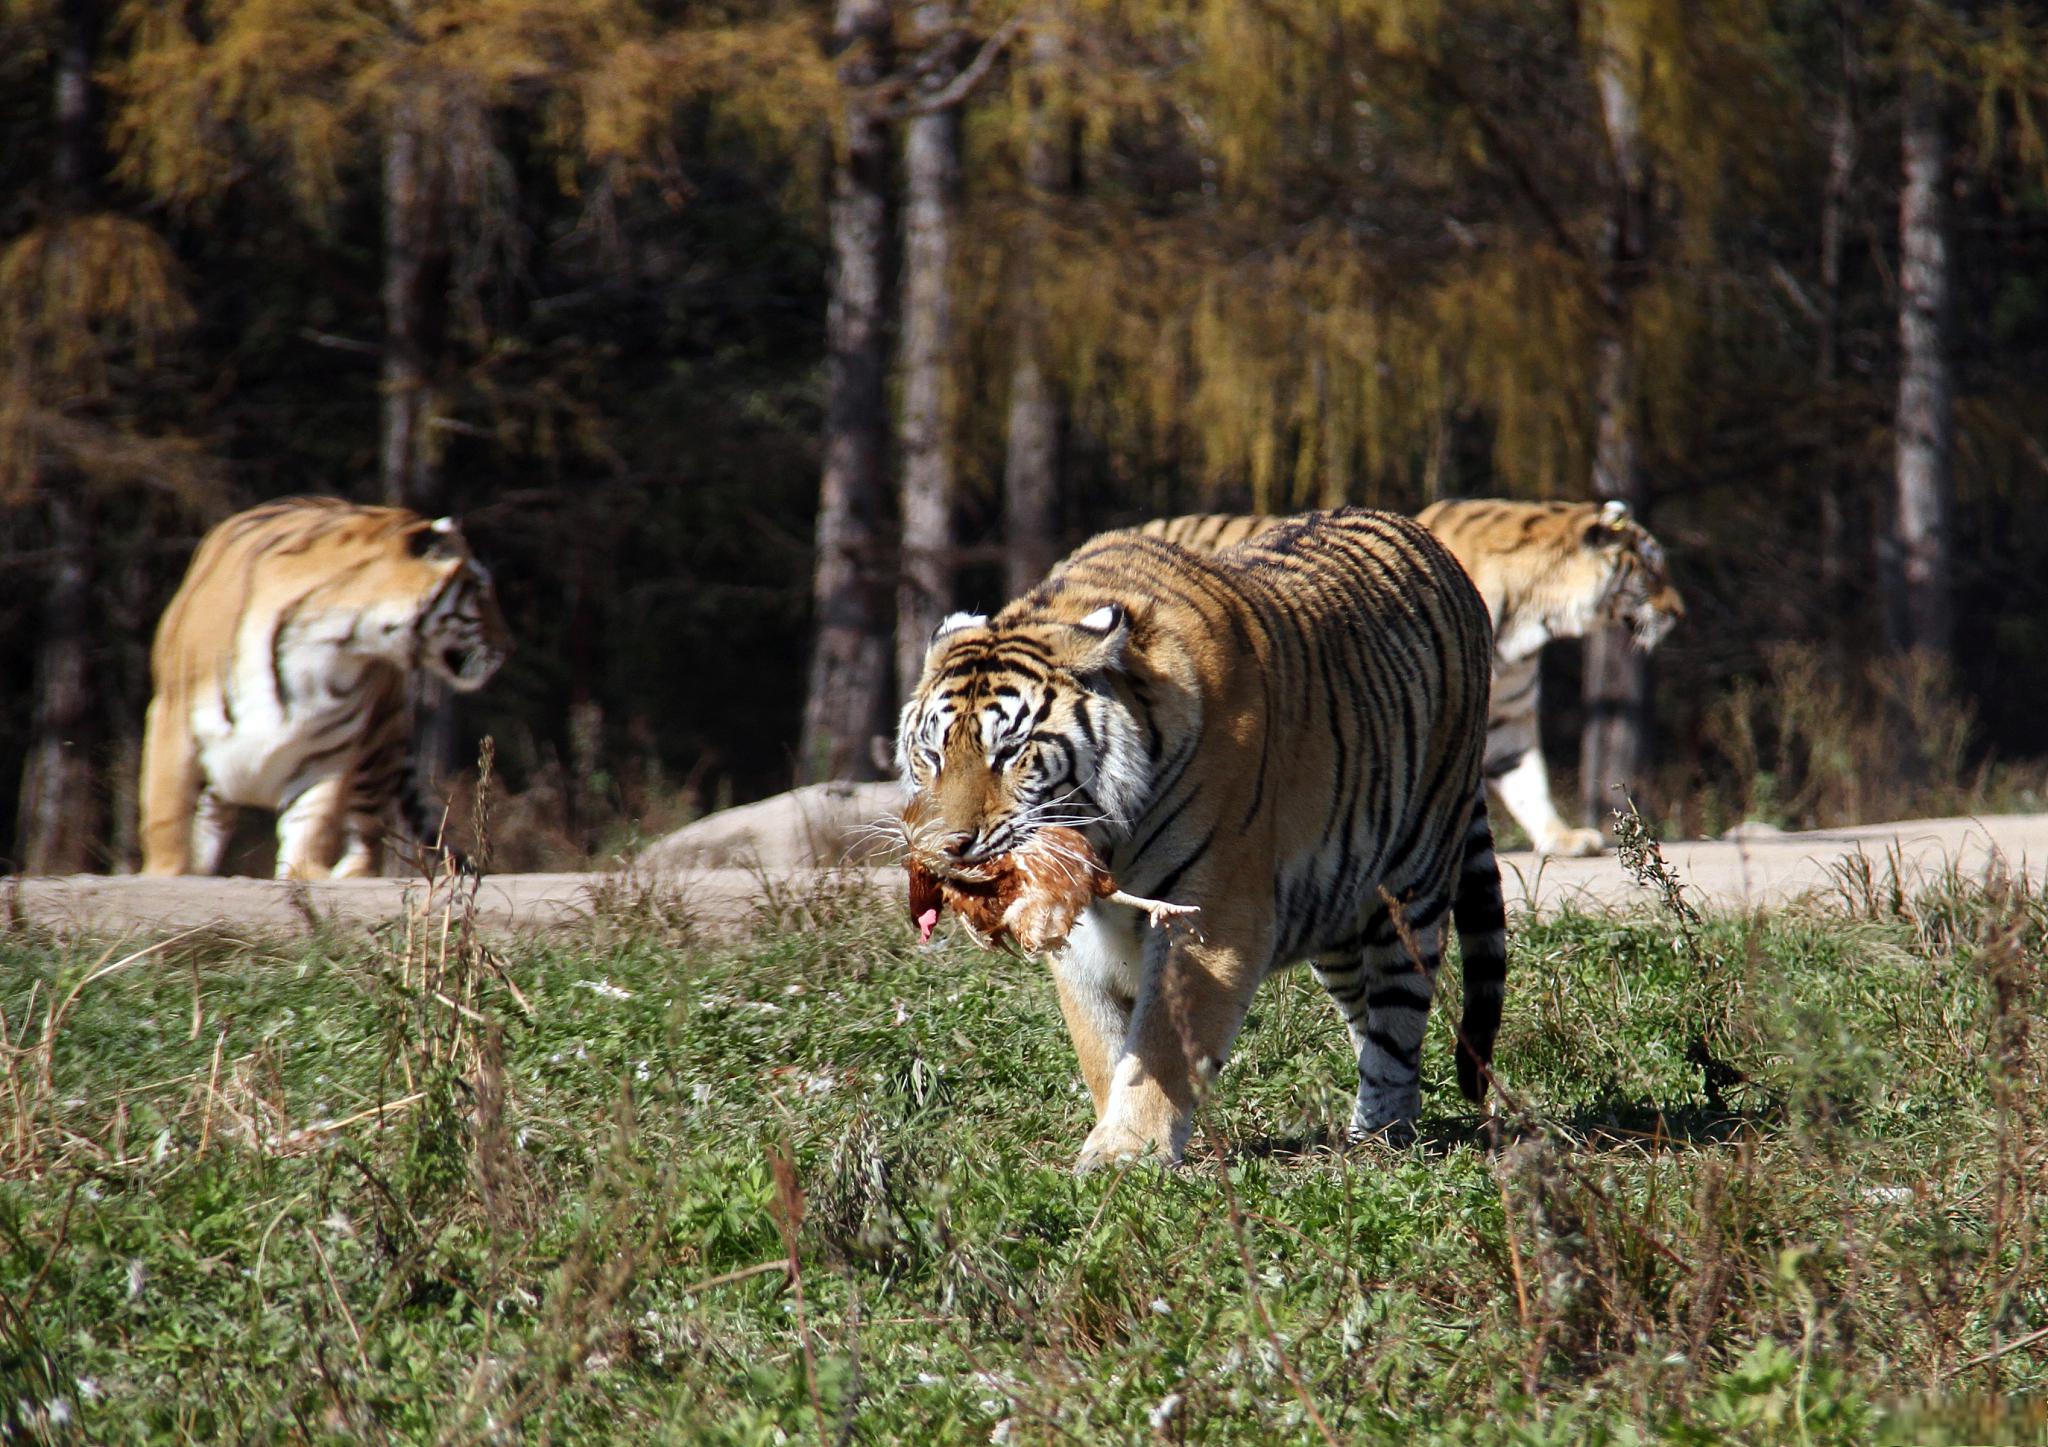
point(1546, 570)
point(282, 680)
point(1275, 732)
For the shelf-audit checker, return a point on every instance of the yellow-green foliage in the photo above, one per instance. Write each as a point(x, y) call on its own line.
point(78, 296)
point(1999, 62)
point(73, 289)
point(305, 85)
point(1706, 81)
point(1307, 352)
point(1352, 266)
point(770, 77)
point(1313, 376)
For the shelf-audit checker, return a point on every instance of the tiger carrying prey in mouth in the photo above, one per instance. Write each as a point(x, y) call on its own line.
point(1275, 732)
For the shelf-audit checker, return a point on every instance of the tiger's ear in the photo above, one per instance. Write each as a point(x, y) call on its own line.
point(1096, 644)
point(438, 539)
point(954, 622)
point(1610, 525)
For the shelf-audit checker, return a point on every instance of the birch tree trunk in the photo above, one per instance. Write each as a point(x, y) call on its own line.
point(848, 697)
point(1031, 461)
point(1613, 747)
point(931, 183)
point(59, 813)
point(1922, 609)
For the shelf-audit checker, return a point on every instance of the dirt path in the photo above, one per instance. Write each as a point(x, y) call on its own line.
point(1727, 874)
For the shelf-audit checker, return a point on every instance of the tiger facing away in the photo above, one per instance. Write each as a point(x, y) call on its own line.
point(1275, 732)
point(1546, 570)
point(283, 670)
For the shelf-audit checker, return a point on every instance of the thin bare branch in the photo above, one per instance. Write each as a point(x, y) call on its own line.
point(970, 77)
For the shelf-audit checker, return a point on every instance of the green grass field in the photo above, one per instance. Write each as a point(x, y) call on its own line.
point(646, 1182)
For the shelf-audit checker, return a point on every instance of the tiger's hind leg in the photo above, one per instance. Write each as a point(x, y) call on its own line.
point(171, 780)
point(1382, 988)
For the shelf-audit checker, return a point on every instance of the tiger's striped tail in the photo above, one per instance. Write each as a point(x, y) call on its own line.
point(1482, 924)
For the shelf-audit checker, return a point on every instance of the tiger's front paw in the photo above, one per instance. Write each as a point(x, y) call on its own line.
point(1115, 1143)
point(1573, 843)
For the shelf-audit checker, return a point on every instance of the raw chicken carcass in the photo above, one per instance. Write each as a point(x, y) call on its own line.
point(1029, 897)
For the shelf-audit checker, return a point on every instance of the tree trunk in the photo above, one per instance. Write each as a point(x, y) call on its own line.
point(848, 699)
point(1835, 549)
point(58, 822)
point(931, 183)
point(1613, 749)
point(416, 280)
point(580, 654)
point(60, 809)
point(415, 305)
point(1614, 745)
point(1031, 463)
point(1921, 612)
point(127, 612)
point(76, 167)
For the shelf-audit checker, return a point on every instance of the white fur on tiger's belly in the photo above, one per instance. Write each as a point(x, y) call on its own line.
point(259, 757)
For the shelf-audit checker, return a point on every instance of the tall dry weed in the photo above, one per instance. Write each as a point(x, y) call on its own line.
point(1808, 745)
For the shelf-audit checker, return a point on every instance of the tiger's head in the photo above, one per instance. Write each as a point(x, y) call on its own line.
point(459, 633)
point(1638, 591)
point(1020, 723)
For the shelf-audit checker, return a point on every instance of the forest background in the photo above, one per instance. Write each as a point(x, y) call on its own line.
point(747, 339)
